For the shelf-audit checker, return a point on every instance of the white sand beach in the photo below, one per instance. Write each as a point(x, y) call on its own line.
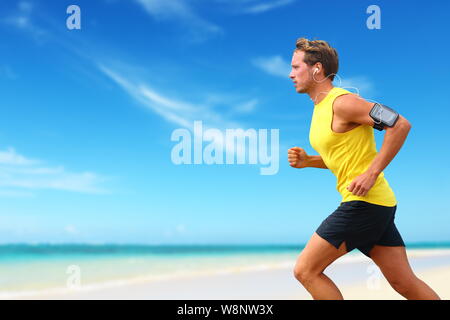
point(357, 277)
point(436, 278)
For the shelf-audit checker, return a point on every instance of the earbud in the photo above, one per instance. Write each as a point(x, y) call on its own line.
point(316, 70)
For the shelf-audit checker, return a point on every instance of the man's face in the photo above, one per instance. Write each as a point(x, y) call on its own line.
point(300, 73)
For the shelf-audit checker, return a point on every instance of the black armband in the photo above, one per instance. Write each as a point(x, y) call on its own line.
point(383, 116)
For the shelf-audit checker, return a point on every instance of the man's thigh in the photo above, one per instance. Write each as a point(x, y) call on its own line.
point(392, 261)
point(318, 254)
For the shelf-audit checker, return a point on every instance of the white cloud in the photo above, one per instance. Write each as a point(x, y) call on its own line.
point(21, 19)
point(184, 113)
point(274, 65)
point(25, 6)
point(15, 194)
point(180, 12)
point(246, 107)
point(175, 111)
point(253, 6)
point(11, 157)
point(19, 172)
point(167, 9)
point(358, 84)
point(266, 6)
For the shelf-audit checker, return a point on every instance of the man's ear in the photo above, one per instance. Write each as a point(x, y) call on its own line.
point(318, 66)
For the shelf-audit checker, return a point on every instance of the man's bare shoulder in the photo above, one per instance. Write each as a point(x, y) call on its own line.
point(349, 102)
point(352, 108)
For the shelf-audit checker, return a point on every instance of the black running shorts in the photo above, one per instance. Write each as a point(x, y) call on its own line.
point(361, 225)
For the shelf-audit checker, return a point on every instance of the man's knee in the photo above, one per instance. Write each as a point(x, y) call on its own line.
point(403, 285)
point(304, 273)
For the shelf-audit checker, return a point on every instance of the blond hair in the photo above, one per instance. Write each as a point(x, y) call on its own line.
point(319, 51)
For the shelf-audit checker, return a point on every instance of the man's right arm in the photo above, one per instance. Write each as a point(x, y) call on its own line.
point(316, 162)
point(298, 158)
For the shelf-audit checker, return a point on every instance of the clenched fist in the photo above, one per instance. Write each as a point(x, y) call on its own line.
point(297, 157)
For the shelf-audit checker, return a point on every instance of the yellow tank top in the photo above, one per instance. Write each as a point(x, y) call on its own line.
point(347, 154)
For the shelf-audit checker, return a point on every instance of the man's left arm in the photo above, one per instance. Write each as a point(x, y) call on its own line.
point(393, 140)
point(355, 109)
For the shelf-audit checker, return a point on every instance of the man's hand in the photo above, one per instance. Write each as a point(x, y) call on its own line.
point(297, 157)
point(362, 183)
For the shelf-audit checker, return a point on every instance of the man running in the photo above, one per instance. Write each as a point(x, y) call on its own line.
point(342, 132)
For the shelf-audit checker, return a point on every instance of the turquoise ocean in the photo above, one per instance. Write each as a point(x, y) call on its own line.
point(31, 268)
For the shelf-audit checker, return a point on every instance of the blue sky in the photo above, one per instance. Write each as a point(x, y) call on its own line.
point(85, 148)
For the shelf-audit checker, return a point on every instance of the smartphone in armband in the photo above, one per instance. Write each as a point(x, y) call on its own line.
point(383, 116)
